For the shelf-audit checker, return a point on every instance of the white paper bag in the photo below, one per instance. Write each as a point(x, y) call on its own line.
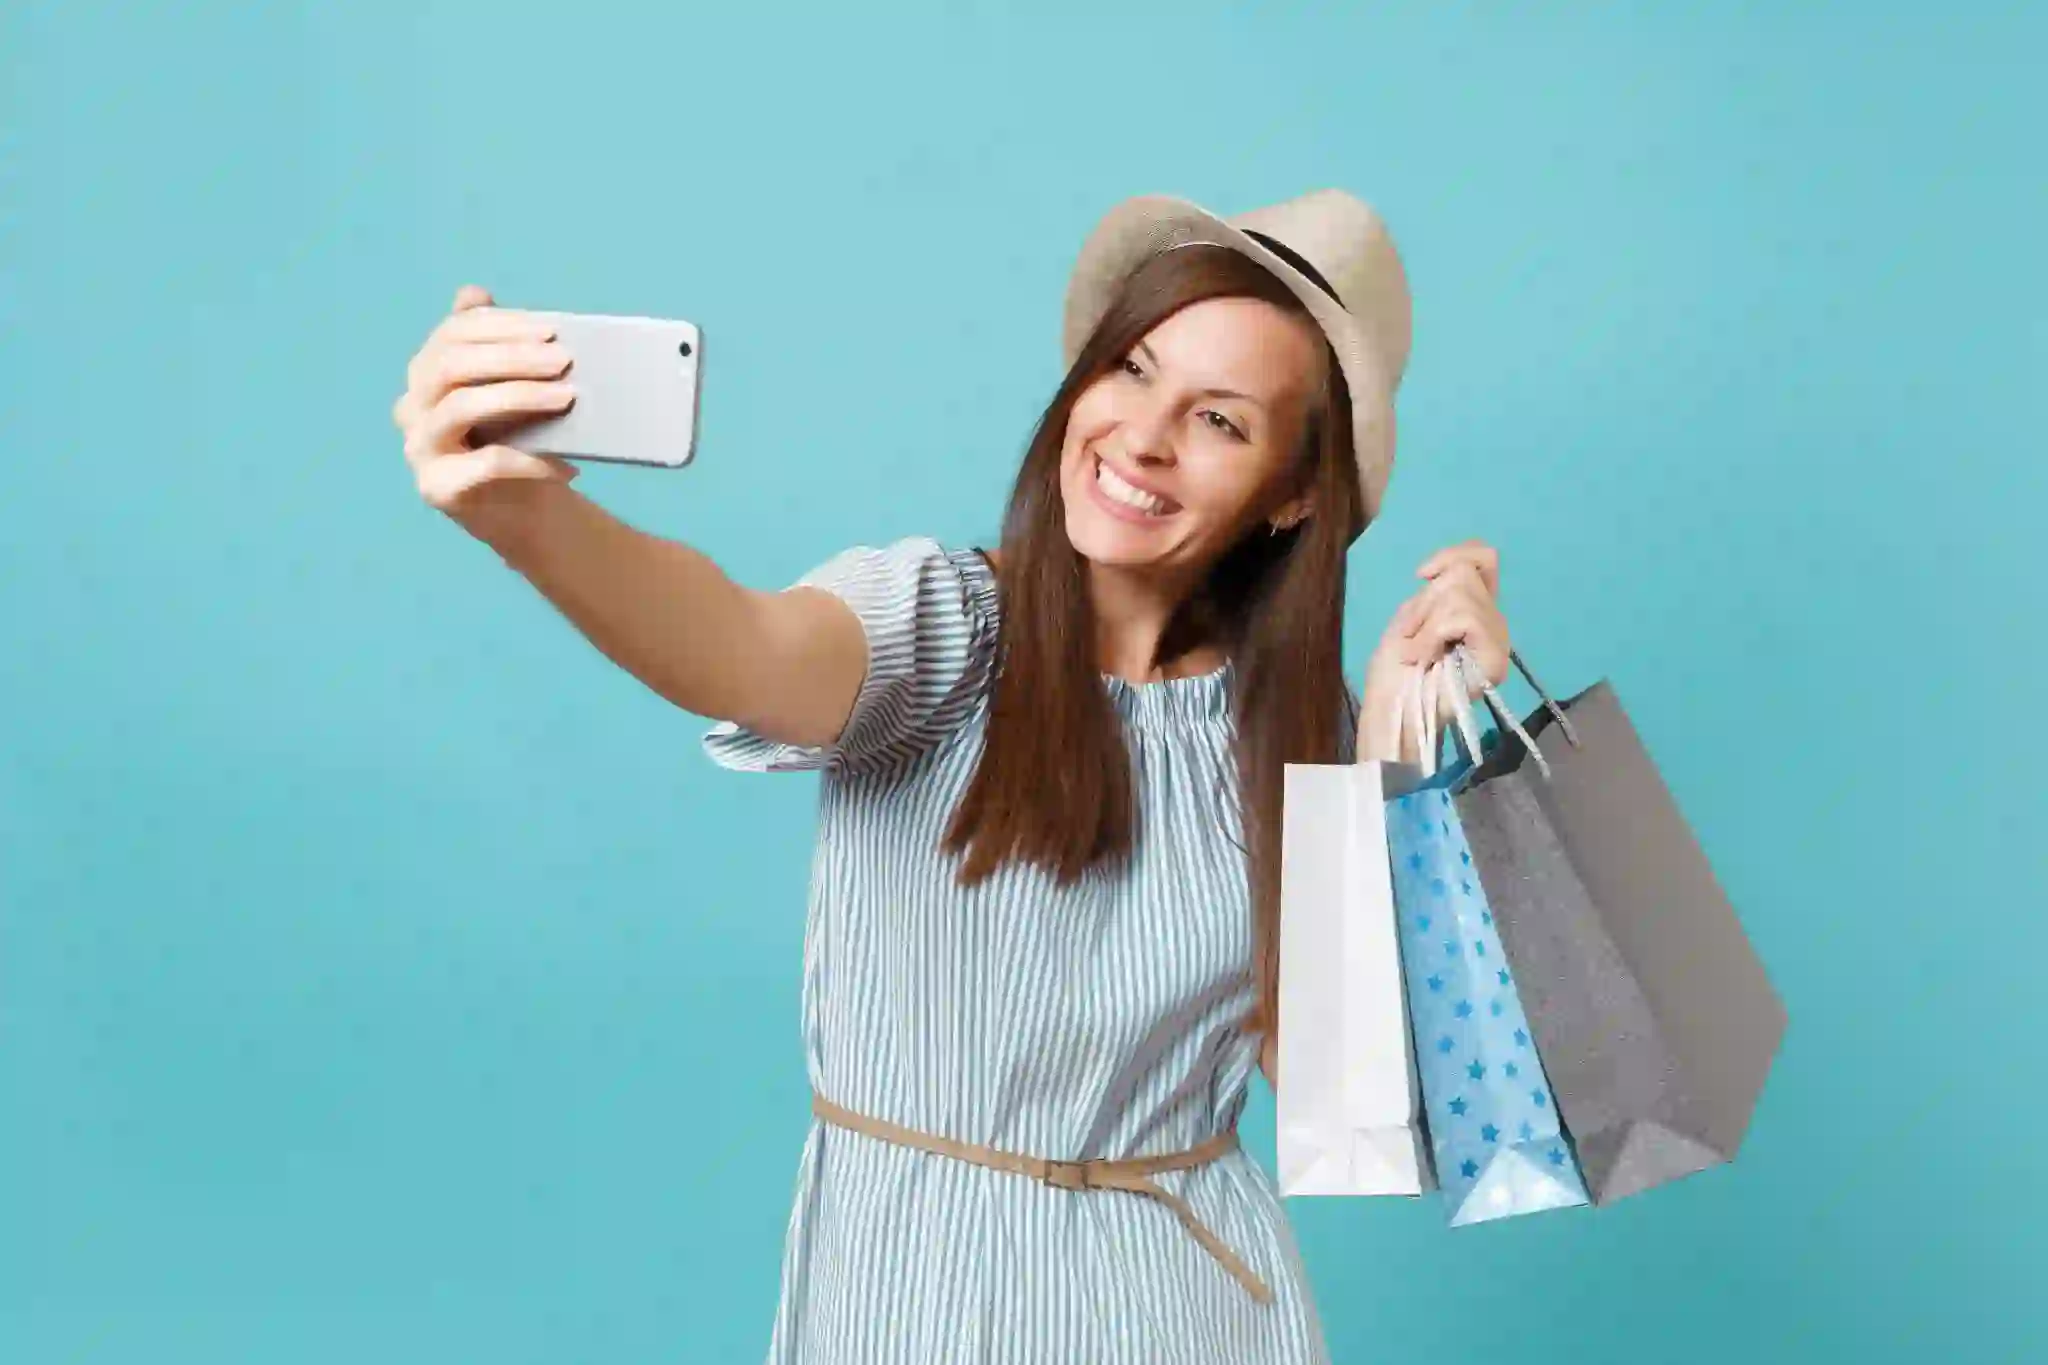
point(1349, 1104)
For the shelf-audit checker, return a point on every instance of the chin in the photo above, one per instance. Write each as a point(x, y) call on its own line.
point(1099, 544)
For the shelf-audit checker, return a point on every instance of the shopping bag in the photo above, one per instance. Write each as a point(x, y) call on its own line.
point(1348, 1116)
point(1655, 1019)
point(1495, 1136)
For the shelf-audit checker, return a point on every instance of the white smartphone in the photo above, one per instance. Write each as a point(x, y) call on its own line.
point(636, 382)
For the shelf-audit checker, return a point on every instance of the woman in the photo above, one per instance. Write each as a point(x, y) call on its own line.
point(1042, 939)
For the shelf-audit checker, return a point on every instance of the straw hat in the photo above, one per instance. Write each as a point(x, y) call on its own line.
point(1329, 247)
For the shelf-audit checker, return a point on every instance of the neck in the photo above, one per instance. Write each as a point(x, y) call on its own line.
point(1132, 613)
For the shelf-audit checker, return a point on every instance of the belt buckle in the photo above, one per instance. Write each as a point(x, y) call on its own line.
point(1067, 1175)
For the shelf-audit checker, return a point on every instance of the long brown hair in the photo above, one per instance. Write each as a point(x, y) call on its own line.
point(1053, 783)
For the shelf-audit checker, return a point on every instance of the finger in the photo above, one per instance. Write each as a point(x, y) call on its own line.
point(446, 426)
point(1459, 580)
point(1482, 557)
point(471, 296)
point(438, 369)
point(1462, 578)
point(1494, 660)
point(1485, 640)
point(1478, 553)
point(491, 324)
point(1407, 617)
point(1429, 643)
point(1455, 620)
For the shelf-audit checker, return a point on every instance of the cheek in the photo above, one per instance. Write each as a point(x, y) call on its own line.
point(1089, 419)
point(1072, 456)
point(1090, 416)
point(1229, 488)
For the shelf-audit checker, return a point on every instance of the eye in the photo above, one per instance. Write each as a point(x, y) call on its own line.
point(1218, 422)
point(1132, 368)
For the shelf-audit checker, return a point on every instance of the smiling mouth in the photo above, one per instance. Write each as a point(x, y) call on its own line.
point(1113, 487)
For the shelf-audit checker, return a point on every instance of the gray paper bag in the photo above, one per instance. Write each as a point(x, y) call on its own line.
point(1649, 1008)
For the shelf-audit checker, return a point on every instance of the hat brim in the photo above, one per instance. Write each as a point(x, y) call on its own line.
point(1140, 228)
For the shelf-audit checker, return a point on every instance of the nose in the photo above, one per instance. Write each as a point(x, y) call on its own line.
point(1148, 432)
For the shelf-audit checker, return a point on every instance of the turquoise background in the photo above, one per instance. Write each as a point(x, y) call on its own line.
point(386, 977)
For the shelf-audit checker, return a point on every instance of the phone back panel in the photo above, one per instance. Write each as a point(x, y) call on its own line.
point(636, 391)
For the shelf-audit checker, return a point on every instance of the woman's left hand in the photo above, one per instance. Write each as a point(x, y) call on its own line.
point(1458, 603)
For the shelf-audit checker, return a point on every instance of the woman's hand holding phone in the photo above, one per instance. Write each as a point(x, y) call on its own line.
point(481, 368)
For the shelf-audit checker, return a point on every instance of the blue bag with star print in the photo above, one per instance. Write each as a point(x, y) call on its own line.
point(1494, 1132)
point(1497, 1142)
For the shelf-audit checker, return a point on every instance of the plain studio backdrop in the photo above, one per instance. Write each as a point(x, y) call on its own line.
point(384, 976)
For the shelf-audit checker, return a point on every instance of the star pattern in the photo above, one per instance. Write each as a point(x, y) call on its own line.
point(1484, 1090)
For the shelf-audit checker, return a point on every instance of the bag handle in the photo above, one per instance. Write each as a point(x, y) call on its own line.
point(1473, 679)
point(1418, 706)
point(1564, 723)
point(1409, 715)
point(1447, 677)
point(1458, 677)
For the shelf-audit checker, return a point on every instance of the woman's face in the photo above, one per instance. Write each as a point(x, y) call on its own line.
point(1192, 438)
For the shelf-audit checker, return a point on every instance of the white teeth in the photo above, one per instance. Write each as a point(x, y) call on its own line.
point(1124, 493)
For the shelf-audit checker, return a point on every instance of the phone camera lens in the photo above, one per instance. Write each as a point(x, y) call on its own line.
point(685, 348)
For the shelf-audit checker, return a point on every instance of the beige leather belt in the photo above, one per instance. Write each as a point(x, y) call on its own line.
point(1128, 1174)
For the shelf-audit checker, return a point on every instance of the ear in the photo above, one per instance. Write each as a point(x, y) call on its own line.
point(1291, 514)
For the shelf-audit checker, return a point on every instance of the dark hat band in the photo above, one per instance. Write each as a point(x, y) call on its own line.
point(1295, 259)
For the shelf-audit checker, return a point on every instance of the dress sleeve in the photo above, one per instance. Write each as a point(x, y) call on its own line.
point(927, 613)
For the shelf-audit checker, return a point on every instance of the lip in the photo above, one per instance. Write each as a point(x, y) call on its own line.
point(1119, 510)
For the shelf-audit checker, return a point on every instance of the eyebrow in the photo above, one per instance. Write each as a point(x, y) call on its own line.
point(1207, 393)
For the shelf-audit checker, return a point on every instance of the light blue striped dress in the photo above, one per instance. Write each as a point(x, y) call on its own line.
point(1102, 1019)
